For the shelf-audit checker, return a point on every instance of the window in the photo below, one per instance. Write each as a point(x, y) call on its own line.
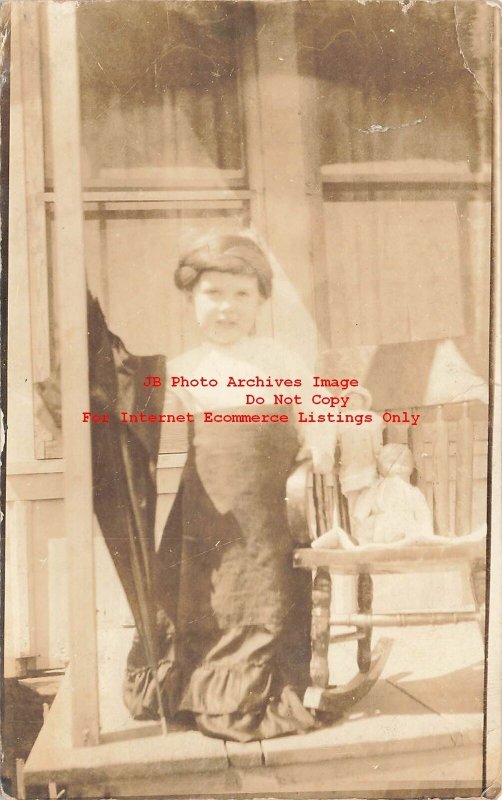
point(163, 160)
point(401, 152)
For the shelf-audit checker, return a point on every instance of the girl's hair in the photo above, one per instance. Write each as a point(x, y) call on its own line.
point(233, 253)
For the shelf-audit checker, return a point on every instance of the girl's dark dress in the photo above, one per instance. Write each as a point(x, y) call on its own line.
point(234, 617)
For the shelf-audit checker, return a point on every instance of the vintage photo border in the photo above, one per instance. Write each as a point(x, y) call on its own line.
point(492, 734)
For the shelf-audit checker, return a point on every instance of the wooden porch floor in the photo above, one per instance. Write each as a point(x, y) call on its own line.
point(420, 728)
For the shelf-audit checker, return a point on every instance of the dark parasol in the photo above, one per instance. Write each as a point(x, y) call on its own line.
point(124, 459)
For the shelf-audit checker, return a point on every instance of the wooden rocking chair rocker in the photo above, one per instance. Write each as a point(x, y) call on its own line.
point(314, 501)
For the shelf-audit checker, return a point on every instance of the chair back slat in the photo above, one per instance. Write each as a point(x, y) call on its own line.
point(464, 473)
point(440, 474)
point(323, 504)
point(416, 444)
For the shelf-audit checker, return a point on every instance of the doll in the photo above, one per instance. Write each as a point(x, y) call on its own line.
point(392, 509)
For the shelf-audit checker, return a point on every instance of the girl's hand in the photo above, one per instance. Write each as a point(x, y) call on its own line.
point(323, 461)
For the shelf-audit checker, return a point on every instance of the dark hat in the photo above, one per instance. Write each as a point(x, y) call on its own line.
point(236, 254)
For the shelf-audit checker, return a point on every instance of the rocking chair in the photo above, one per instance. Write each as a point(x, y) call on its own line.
point(315, 501)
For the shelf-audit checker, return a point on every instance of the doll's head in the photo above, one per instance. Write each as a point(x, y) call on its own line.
point(227, 278)
point(395, 459)
point(359, 397)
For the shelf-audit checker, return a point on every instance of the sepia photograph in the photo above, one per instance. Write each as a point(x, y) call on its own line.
point(251, 487)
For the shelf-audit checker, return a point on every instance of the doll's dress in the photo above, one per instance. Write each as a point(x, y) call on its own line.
point(392, 510)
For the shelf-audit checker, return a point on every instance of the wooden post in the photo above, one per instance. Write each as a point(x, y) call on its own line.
point(248, 90)
point(311, 131)
point(72, 309)
point(20, 561)
point(20, 382)
point(285, 177)
point(35, 186)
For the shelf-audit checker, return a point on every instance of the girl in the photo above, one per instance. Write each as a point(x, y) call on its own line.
point(234, 615)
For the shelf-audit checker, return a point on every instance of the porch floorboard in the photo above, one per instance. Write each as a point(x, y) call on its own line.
point(421, 723)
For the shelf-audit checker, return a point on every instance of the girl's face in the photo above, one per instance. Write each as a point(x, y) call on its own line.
point(226, 305)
